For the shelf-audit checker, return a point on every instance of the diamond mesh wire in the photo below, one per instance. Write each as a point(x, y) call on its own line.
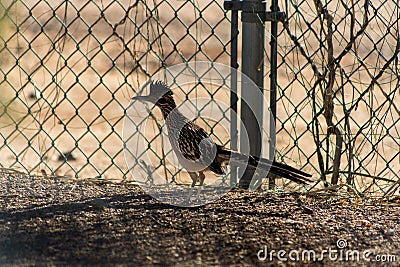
point(338, 80)
point(69, 68)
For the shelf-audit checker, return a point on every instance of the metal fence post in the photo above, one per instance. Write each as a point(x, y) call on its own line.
point(254, 15)
point(253, 67)
point(233, 96)
point(273, 83)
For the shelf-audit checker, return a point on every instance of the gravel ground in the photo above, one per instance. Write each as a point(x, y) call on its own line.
point(47, 221)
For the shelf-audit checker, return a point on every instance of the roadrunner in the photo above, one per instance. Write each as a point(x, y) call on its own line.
point(195, 149)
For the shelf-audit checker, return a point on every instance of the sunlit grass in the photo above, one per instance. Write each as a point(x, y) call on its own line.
point(9, 103)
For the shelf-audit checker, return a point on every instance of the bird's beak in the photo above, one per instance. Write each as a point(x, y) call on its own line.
point(142, 98)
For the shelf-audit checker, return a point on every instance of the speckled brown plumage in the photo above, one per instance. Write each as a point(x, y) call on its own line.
point(196, 150)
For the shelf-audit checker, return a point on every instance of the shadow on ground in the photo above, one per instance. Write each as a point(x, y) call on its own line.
point(53, 222)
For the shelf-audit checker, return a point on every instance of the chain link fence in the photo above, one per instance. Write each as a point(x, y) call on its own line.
point(69, 68)
point(339, 81)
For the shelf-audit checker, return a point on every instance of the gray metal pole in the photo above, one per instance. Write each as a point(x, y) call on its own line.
point(253, 67)
point(233, 96)
point(273, 84)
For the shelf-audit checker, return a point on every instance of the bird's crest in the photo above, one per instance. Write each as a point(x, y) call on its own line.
point(159, 88)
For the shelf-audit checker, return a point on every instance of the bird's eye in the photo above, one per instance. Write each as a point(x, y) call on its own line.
point(162, 101)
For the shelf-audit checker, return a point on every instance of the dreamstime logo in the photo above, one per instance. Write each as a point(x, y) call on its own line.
point(341, 243)
point(201, 91)
point(340, 253)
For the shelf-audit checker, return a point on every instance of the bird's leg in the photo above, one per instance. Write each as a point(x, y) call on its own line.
point(194, 177)
point(202, 177)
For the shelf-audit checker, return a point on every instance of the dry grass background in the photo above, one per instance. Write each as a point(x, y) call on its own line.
point(82, 76)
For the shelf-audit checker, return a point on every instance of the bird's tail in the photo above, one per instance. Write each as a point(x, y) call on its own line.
point(274, 167)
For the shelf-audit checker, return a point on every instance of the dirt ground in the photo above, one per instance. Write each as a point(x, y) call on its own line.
point(47, 221)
